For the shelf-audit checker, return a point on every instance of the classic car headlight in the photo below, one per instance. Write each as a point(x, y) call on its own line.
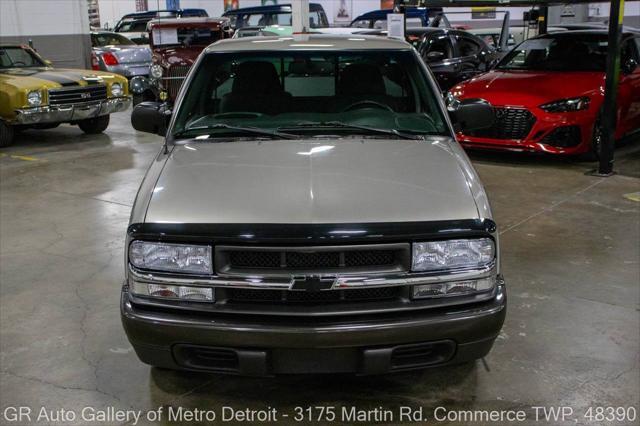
point(452, 254)
point(156, 71)
point(567, 105)
point(116, 89)
point(34, 98)
point(194, 259)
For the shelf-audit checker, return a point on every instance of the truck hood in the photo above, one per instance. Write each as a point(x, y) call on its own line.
point(530, 88)
point(319, 181)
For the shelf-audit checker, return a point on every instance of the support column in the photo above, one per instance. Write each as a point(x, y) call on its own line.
point(609, 112)
point(300, 16)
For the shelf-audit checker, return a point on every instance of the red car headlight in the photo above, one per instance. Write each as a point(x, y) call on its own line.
point(567, 105)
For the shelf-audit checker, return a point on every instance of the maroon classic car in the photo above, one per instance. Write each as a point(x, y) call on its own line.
point(176, 43)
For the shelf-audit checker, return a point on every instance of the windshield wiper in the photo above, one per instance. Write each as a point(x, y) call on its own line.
point(340, 124)
point(254, 130)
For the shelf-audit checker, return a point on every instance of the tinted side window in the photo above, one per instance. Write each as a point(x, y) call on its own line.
point(440, 43)
point(467, 46)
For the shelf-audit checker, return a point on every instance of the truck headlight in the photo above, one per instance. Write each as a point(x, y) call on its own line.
point(116, 89)
point(452, 254)
point(193, 259)
point(566, 105)
point(34, 98)
point(156, 71)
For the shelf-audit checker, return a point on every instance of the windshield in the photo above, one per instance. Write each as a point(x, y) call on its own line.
point(562, 52)
point(17, 57)
point(315, 93)
point(137, 26)
point(109, 39)
point(273, 18)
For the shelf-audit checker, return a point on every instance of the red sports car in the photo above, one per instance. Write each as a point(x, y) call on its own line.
point(548, 94)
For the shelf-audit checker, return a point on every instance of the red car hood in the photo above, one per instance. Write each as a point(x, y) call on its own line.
point(530, 88)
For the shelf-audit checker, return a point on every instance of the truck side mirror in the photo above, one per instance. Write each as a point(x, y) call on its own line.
point(471, 114)
point(151, 117)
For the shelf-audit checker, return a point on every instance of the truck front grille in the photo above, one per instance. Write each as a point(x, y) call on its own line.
point(77, 95)
point(312, 297)
point(267, 261)
point(510, 123)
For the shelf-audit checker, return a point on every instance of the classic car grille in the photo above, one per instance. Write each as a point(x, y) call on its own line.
point(77, 95)
point(316, 260)
point(312, 297)
point(174, 78)
point(510, 123)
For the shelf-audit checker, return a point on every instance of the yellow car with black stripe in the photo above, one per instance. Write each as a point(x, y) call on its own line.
point(35, 95)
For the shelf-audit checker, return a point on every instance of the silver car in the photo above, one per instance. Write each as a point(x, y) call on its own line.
point(311, 212)
point(114, 52)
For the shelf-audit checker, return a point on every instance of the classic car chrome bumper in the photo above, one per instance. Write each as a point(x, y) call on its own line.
point(71, 113)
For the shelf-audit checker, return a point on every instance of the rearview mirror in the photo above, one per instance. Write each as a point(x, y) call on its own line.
point(472, 114)
point(435, 57)
point(151, 117)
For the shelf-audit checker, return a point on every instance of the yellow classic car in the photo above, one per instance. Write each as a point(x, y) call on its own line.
point(35, 95)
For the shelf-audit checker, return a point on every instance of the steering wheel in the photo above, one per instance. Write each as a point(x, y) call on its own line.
point(367, 104)
point(19, 63)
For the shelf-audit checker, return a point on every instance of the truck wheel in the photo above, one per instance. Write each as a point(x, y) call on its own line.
point(93, 126)
point(6, 134)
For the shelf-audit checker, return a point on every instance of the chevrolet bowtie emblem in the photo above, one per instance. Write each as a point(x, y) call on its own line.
point(312, 282)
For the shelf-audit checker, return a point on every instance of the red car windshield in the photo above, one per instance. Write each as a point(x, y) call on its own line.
point(561, 52)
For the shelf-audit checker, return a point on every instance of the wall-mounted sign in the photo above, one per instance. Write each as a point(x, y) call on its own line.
point(343, 11)
point(231, 4)
point(483, 12)
point(141, 6)
point(568, 11)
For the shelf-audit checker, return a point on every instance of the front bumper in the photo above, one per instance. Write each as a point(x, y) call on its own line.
point(263, 346)
point(70, 113)
point(543, 136)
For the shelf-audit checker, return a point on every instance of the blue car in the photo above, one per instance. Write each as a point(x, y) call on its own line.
point(276, 14)
point(377, 19)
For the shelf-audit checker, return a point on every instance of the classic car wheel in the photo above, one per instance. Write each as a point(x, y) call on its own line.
point(6, 134)
point(94, 126)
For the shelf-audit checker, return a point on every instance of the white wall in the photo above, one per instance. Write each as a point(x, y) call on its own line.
point(112, 10)
point(59, 29)
point(43, 17)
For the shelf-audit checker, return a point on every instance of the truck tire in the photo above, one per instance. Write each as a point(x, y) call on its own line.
point(6, 134)
point(93, 126)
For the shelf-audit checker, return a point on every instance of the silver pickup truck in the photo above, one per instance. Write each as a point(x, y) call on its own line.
point(311, 212)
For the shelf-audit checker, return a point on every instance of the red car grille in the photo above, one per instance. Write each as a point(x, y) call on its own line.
point(174, 78)
point(510, 123)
